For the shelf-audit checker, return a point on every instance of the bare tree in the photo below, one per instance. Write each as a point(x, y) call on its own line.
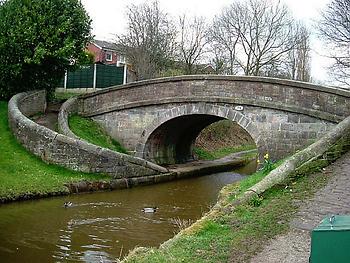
point(149, 43)
point(192, 42)
point(224, 39)
point(299, 56)
point(218, 60)
point(335, 29)
point(256, 33)
point(303, 62)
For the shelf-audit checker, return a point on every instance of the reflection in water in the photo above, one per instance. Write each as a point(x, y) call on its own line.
point(101, 227)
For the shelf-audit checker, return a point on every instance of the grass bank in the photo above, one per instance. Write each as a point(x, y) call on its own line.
point(87, 129)
point(90, 131)
point(22, 175)
point(223, 134)
point(203, 154)
point(220, 139)
point(236, 236)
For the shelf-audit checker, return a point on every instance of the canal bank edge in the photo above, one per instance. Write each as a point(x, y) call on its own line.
point(289, 167)
point(114, 184)
point(85, 186)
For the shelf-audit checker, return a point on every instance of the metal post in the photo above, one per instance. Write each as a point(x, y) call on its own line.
point(65, 80)
point(124, 75)
point(94, 83)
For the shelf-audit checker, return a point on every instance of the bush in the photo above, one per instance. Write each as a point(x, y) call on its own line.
point(39, 40)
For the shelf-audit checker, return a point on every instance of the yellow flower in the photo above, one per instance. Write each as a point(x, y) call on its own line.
point(266, 156)
point(258, 161)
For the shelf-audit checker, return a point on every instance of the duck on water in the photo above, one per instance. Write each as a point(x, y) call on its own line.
point(149, 209)
point(145, 209)
point(67, 204)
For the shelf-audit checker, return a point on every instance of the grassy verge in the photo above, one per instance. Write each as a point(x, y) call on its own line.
point(62, 96)
point(202, 154)
point(22, 174)
point(90, 131)
point(236, 236)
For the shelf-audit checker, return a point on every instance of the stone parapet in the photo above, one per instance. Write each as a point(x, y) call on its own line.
point(327, 103)
point(68, 108)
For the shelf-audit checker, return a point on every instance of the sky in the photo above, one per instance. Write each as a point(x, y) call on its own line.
point(108, 19)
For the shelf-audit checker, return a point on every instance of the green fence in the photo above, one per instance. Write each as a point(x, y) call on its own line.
point(82, 78)
point(107, 76)
point(93, 76)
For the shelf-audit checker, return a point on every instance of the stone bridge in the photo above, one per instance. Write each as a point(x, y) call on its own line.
point(159, 119)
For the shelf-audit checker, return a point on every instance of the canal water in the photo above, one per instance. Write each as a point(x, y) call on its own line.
point(101, 227)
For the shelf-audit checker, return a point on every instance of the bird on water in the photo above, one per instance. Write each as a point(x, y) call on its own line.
point(67, 204)
point(150, 209)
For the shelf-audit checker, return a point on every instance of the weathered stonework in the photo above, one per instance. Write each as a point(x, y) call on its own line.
point(70, 107)
point(317, 101)
point(274, 131)
point(159, 119)
point(72, 153)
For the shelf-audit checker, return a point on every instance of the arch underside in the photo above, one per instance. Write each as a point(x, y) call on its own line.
point(170, 138)
point(173, 141)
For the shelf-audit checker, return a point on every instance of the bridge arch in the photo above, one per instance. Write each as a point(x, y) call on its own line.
point(288, 115)
point(170, 137)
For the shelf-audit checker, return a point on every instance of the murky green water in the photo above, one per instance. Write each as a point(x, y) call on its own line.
point(100, 227)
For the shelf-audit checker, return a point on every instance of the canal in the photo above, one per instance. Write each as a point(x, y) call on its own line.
point(101, 227)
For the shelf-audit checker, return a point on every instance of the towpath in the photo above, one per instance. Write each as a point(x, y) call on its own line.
point(294, 247)
point(201, 167)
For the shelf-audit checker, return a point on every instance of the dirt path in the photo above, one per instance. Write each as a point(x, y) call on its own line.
point(294, 247)
point(49, 118)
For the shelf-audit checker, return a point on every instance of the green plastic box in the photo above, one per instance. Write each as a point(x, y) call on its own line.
point(330, 241)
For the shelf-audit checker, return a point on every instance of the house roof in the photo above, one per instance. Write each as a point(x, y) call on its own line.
point(105, 44)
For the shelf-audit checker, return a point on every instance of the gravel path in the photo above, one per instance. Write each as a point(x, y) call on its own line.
point(294, 247)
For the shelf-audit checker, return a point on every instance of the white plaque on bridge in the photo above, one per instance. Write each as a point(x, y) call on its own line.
point(239, 108)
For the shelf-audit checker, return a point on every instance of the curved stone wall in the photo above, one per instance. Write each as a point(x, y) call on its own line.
point(72, 153)
point(68, 108)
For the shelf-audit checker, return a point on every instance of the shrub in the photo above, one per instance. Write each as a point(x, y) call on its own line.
point(39, 40)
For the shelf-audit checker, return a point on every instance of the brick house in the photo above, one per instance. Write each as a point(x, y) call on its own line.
point(106, 53)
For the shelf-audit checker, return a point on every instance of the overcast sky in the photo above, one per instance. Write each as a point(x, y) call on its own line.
point(108, 18)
